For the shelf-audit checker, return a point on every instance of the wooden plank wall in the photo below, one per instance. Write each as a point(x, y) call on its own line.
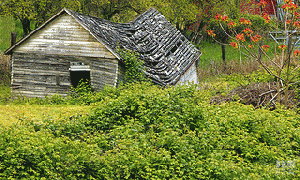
point(40, 75)
point(64, 36)
point(103, 72)
point(41, 63)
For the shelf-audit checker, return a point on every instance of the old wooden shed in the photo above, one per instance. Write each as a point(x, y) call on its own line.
point(71, 46)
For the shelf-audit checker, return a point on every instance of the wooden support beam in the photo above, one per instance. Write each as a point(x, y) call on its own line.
point(13, 38)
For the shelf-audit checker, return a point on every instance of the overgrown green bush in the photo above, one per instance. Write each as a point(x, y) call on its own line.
point(150, 109)
point(133, 65)
point(82, 94)
point(140, 131)
point(5, 94)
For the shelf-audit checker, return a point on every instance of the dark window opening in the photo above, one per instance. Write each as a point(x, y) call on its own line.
point(76, 76)
point(179, 44)
point(168, 54)
point(174, 49)
point(182, 38)
point(154, 63)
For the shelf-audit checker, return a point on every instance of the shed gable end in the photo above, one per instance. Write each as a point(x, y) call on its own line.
point(64, 36)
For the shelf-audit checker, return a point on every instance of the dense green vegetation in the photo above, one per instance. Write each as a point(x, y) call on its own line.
point(8, 25)
point(140, 131)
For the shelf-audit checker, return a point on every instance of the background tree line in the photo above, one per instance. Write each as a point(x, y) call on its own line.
point(184, 14)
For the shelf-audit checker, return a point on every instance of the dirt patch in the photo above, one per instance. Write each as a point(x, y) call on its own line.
point(259, 95)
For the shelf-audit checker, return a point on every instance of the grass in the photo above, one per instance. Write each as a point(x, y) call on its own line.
point(211, 52)
point(5, 28)
point(5, 94)
point(10, 114)
point(211, 63)
point(8, 25)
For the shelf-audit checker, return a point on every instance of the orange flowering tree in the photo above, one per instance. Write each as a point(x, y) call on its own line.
point(282, 64)
point(231, 26)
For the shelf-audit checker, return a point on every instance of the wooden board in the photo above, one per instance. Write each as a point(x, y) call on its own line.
point(64, 36)
point(40, 75)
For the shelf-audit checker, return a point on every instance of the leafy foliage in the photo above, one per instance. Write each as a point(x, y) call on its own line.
point(257, 24)
point(8, 25)
point(282, 63)
point(180, 13)
point(134, 66)
point(37, 11)
point(140, 131)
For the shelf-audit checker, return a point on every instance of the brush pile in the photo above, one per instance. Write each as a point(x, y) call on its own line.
point(265, 94)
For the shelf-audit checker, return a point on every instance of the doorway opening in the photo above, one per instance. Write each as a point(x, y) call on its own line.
point(77, 76)
point(79, 72)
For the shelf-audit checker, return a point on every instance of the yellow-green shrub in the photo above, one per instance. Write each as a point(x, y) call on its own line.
point(145, 132)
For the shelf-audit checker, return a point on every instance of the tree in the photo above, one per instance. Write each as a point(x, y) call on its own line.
point(283, 63)
point(180, 12)
point(37, 11)
point(212, 7)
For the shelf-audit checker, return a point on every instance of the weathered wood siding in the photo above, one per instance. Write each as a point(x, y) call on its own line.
point(64, 36)
point(121, 73)
point(190, 76)
point(41, 63)
point(103, 72)
point(39, 75)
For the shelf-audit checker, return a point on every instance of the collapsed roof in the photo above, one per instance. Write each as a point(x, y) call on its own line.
point(166, 53)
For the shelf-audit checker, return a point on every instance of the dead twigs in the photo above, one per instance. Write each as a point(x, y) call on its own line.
point(258, 95)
